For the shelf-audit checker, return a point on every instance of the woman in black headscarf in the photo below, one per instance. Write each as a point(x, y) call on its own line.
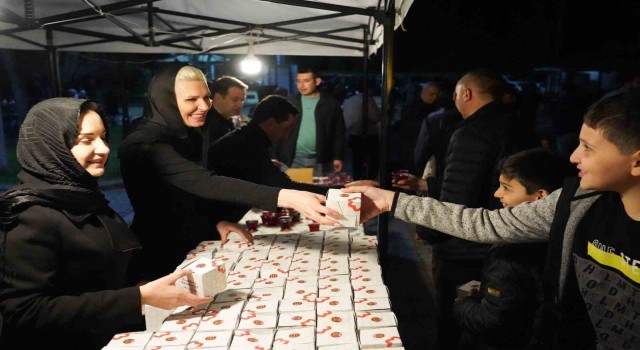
point(63, 251)
point(173, 197)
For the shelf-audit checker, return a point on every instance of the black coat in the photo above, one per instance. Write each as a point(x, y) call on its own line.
point(214, 128)
point(75, 295)
point(330, 132)
point(245, 154)
point(470, 175)
point(173, 197)
point(501, 315)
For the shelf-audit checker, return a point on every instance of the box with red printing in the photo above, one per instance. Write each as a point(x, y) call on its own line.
point(169, 339)
point(180, 322)
point(361, 279)
point(335, 290)
point(306, 292)
point(376, 319)
point(333, 304)
point(273, 293)
point(297, 304)
point(252, 339)
point(347, 204)
point(208, 340)
point(366, 304)
point(286, 338)
point(297, 318)
point(386, 337)
point(130, 339)
point(336, 334)
point(218, 321)
point(379, 291)
point(207, 279)
point(257, 320)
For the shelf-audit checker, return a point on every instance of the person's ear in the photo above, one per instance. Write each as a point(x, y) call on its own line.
point(318, 81)
point(542, 193)
point(635, 166)
point(467, 94)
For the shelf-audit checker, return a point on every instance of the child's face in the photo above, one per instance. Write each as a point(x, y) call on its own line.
point(601, 165)
point(512, 192)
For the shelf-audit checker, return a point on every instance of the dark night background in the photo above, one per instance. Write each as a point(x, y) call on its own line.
point(519, 35)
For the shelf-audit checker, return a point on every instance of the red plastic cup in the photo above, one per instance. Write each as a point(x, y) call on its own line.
point(265, 217)
point(252, 225)
point(314, 226)
point(285, 223)
point(398, 175)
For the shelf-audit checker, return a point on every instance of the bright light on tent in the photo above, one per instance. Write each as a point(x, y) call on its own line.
point(251, 64)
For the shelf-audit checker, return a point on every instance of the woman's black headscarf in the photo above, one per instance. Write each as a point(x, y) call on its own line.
point(50, 175)
point(161, 116)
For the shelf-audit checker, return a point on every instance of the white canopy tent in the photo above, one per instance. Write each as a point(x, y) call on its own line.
point(276, 27)
point(279, 27)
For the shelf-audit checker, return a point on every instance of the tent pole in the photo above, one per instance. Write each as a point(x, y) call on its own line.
point(126, 121)
point(54, 65)
point(365, 89)
point(387, 79)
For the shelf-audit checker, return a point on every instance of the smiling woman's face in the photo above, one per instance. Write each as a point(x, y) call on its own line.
point(90, 146)
point(194, 101)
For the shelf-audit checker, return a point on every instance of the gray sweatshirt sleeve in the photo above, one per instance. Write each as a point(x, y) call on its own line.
point(527, 222)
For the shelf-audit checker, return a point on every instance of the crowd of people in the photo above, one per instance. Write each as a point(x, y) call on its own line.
point(479, 180)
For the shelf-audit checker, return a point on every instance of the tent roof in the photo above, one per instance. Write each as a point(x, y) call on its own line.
point(277, 27)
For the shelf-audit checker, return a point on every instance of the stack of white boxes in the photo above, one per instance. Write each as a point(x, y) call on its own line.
point(291, 290)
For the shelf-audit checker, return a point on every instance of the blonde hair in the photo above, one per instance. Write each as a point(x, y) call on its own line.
point(191, 73)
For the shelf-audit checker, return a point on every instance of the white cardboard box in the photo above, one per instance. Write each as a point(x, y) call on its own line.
point(130, 339)
point(154, 316)
point(387, 337)
point(208, 277)
point(297, 318)
point(347, 204)
point(366, 304)
point(376, 319)
point(465, 290)
point(170, 339)
point(299, 335)
point(252, 339)
point(208, 340)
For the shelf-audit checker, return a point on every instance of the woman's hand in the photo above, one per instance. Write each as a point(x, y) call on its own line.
point(308, 204)
point(164, 293)
point(374, 201)
point(226, 227)
point(411, 183)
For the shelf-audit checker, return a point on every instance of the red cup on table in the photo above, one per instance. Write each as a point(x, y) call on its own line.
point(314, 226)
point(252, 225)
point(398, 175)
point(265, 217)
point(285, 222)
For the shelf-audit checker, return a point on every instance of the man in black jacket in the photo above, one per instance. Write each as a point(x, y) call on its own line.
point(250, 158)
point(227, 95)
point(318, 136)
point(469, 178)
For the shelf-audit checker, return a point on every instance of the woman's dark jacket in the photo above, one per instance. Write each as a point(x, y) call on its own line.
point(63, 251)
point(173, 197)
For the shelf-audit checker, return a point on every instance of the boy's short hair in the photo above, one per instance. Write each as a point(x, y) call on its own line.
point(273, 106)
point(536, 169)
point(224, 83)
point(618, 119)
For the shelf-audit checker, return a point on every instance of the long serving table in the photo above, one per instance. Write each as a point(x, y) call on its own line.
point(292, 289)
